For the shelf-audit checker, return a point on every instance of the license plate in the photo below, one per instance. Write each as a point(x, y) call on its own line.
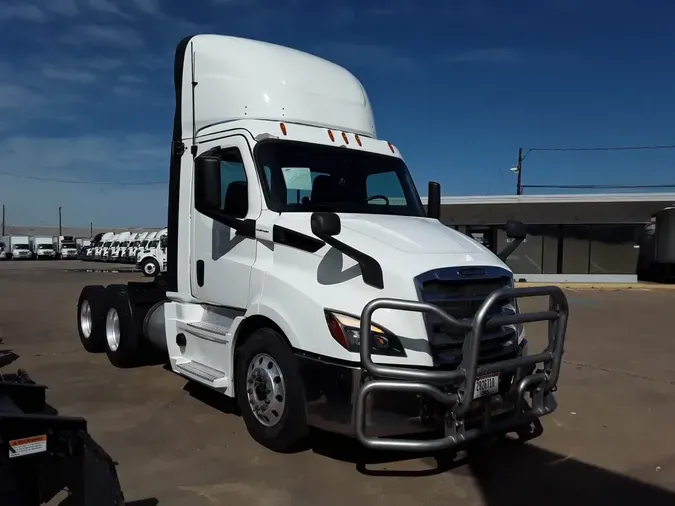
point(486, 385)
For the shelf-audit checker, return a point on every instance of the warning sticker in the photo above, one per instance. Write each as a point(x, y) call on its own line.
point(27, 446)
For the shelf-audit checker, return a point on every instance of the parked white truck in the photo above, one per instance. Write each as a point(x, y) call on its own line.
point(104, 242)
point(117, 245)
point(67, 247)
point(130, 256)
point(20, 247)
point(151, 260)
point(45, 247)
point(305, 278)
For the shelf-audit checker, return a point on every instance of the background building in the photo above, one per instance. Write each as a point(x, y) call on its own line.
point(570, 237)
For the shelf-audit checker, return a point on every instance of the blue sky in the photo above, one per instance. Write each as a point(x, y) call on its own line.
point(457, 85)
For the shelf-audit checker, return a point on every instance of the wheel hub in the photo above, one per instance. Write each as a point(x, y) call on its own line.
point(265, 389)
point(112, 329)
point(85, 319)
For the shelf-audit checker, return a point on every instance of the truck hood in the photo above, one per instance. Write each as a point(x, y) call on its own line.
point(411, 235)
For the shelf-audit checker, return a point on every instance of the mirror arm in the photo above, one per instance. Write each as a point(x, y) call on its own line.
point(504, 254)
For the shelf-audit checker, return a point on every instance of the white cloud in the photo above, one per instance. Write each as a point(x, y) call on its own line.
point(122, 36)
point(73, 75)
point(63, 7)
point(107, 6)
point(147, 6)
point(99, 158)
point(103, 64)
point(21, 11)
point(495, 56)
point(13, 96)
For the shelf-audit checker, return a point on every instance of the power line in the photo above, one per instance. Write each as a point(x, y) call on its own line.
point(74, 181)
point(609, 148)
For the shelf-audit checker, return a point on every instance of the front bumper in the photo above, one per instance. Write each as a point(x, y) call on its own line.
point(377, 402)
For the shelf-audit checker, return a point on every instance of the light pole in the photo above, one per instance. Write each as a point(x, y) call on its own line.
point(60, 234)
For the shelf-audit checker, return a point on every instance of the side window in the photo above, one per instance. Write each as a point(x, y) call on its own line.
point(385, 184)
point(233, 183)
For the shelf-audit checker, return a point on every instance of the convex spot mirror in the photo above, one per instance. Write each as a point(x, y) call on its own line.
point(516, 230)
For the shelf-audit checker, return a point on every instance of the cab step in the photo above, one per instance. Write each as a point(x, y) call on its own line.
point(202, 373)
point(208, 330)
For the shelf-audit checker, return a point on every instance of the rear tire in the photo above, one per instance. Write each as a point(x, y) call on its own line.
point(269, 391)
point(150, 267)
point(91, 318)
point(122, 339)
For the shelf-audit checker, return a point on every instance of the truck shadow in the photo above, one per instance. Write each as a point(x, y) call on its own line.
point(506, 473)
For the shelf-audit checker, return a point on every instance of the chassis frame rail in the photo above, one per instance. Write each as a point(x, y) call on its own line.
point(540, 384)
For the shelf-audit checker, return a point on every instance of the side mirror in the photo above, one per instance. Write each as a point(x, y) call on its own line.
point(325, 224)
point(207, 183)
point(516, 229)
point(434, 200)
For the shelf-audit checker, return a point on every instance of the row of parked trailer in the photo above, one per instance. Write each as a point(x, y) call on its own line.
point(30, 247)
point(145, 249)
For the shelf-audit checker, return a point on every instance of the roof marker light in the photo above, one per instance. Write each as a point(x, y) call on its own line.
point(330, 134)
point(358, 139)
point(283, 128)
point(391, 146)
point(344, 137)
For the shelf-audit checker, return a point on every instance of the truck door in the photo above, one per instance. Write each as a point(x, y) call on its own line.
point(222, 260)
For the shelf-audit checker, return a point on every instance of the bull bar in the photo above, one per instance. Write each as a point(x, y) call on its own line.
point(541, 384)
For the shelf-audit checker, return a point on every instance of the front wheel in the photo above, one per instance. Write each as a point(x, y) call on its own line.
point(150, 267)
point(270, 392)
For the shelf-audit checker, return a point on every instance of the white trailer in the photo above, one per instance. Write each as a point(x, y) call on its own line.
point(305, 278)
point(45, 247)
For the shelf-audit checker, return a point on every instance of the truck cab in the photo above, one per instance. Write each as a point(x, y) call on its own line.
point(121, 243)
point(104, 242)
point(67, 247)
point(152, 259)
point(21, 247)
point(45, 248)
point(306, 279)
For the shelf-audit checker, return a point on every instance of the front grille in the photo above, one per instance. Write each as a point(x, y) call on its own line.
point(460, 297)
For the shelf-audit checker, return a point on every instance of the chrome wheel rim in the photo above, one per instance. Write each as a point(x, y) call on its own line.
point(112, 329)
point(85, 319)
point(265, 389)
point(150, 268)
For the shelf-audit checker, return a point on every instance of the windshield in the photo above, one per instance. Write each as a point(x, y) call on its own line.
point(143, 244)
point(21, 246)
point(304, 177)
point(45, 246)
point(153, 244)
point(106, 244)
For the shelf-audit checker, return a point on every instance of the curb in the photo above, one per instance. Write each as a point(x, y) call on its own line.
point(606, 286)
point(102, 270)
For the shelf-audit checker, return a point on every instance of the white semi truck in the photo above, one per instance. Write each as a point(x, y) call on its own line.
point(46, 248)
point(104, 242)
point(306, 279)
point(152, 259)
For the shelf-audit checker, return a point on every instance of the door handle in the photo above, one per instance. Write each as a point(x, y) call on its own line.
point(200, 272)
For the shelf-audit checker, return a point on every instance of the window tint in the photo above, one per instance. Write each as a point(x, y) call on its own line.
point(233, 183)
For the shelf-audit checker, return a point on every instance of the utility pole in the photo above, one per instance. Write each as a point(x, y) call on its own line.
point(60, 234)
point(519, 187)
point(3, 219)
point(91, 229)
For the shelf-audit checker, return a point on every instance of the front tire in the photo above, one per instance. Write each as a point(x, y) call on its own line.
point(269, 391)
point(150, 267)
point(91, 318)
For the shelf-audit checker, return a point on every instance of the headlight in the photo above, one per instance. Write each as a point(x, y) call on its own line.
point(345, 330)
point(513, 306)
